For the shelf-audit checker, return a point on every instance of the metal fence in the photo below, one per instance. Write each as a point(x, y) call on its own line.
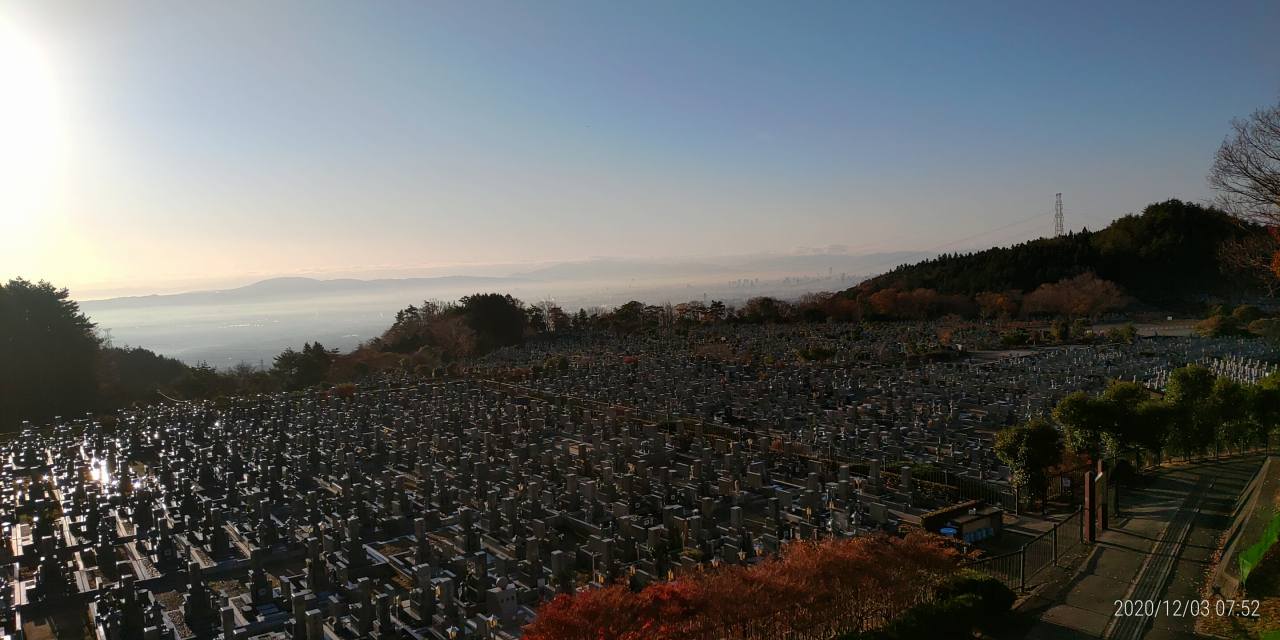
point(960, 487)
point(1067, 486)
point(1017, 567)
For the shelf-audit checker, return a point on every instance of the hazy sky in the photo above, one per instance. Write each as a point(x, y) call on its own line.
point(147, 144)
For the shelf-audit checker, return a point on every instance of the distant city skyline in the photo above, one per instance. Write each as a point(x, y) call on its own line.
point(152, 146)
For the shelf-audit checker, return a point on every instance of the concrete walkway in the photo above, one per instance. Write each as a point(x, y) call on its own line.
point(1157, 549)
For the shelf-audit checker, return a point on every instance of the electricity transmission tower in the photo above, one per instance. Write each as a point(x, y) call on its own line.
point(1057, 218)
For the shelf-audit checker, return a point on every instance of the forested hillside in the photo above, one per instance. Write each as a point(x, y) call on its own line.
point(1171, 253)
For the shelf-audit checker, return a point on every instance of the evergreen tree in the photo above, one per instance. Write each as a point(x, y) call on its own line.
point(48, 354)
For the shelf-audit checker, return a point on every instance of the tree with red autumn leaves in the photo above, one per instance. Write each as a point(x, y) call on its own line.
point(1082, 296)
point(843, 585)
point(616, 612)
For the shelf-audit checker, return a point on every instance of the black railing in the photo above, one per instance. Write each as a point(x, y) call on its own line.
point(1015, 568)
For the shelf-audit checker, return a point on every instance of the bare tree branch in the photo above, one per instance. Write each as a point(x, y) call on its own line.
point(1246, 169)
point(1253, 256)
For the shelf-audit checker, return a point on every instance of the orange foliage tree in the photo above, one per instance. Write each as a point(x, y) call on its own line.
point(1085, 295)
point(917, 304)
point(998, 305)
point(841, 586)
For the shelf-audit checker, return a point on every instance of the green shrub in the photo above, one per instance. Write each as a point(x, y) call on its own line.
point(966, 601)
point(944, 619)
point(1268, 328)
point(1246, 313)
point(1217, 326)
point(1125, 333)
point(995, 598)
point(1015, 338)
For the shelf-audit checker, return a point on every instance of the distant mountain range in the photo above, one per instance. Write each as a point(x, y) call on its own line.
point(596, 271)
point(253, 323)
point(296, 287)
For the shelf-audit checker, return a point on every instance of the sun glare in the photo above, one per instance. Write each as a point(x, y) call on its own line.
point(30, 131)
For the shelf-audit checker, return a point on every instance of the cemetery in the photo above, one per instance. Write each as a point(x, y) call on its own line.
point(453, 507)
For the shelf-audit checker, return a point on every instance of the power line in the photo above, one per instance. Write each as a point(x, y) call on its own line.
point(934, 249)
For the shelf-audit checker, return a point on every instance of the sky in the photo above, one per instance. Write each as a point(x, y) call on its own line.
point(148, 146)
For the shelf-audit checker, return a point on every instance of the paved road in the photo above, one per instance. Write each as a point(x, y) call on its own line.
point(1158, 549)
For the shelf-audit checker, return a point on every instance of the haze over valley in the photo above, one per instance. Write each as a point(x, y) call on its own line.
point(252, 323)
